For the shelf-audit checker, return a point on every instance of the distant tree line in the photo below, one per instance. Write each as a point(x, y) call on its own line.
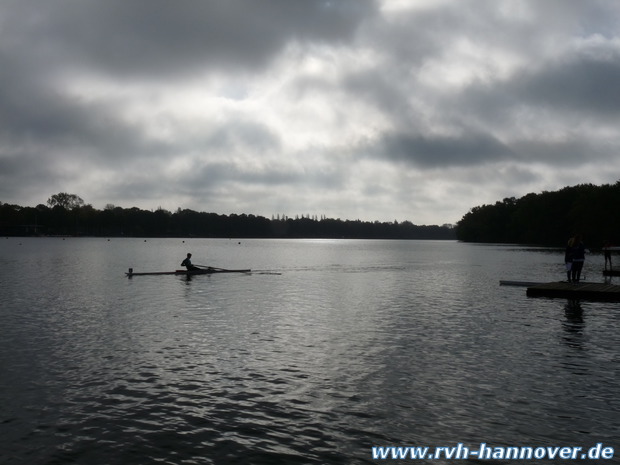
point(548, 218)
point(68, 215)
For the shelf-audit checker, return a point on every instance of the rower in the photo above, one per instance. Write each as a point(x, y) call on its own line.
point(187, 263)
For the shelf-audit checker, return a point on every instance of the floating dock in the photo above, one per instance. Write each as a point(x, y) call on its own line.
point(587, 291)
point(519, 283)
point(615, 272)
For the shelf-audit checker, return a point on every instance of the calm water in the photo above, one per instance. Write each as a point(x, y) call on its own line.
point(355, 344)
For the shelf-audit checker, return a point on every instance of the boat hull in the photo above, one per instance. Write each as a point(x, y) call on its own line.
point(131, 273)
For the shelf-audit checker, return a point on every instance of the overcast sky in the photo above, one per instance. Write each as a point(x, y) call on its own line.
point(356, 109)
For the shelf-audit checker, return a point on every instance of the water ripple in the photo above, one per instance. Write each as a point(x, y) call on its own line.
point(355, 344)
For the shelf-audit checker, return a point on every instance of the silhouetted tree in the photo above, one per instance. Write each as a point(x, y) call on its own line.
point(548, 218)
point(67, 215)
point(64, 200)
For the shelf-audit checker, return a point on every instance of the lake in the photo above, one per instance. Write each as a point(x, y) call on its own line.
point(329, 348)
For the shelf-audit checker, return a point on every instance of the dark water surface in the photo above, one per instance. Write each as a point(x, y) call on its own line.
point(355, 344)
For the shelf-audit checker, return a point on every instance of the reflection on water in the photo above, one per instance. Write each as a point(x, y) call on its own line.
point(354, 344)
point(574, 324)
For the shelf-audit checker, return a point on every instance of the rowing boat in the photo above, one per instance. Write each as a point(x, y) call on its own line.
point(131, 273)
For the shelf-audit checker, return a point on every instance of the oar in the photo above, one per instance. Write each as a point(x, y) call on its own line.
point(266, 272)
point(211, 268)
point(224, 269)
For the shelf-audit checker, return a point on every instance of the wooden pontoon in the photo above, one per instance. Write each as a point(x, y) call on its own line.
point(582, 290)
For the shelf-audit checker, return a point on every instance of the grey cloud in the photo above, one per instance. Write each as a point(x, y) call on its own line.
point(155, 38)
point(571, 152)
point(558, 105)
point(139, 187)
point(579, 80)
point(19, 169)
point(584, 85)
point(33, 112)
point(212, 174)
point(238, 134)
point(439, 151)
point(223, 183)
point(532, 123)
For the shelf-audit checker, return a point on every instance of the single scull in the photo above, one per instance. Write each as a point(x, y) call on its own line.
point(131, 273)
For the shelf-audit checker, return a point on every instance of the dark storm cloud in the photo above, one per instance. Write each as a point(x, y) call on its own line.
point(151, 38)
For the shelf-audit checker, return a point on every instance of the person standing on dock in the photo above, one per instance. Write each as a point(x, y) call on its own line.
point(568, 258)
point(579, 257)
point(607, 254)
point(187, 263)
